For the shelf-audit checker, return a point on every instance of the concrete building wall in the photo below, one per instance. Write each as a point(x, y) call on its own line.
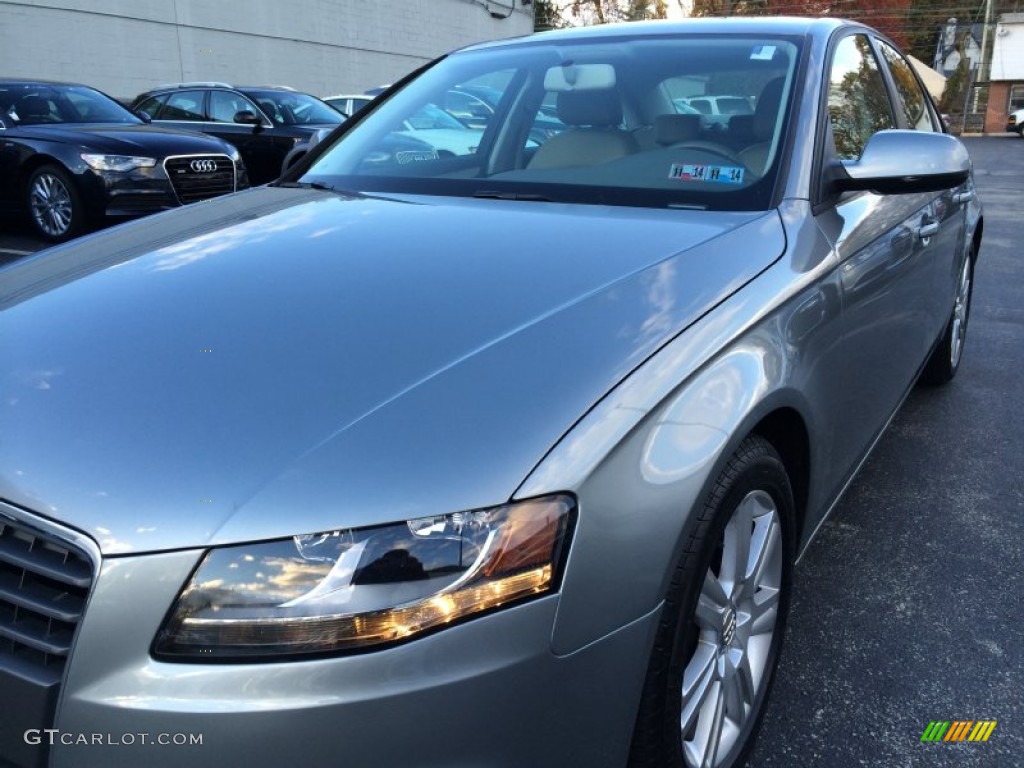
point(324, 47)
point(1008, 48)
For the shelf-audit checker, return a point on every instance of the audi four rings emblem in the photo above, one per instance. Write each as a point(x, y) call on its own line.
point(204, 166)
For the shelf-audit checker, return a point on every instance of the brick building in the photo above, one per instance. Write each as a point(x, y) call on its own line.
point(1006, 77)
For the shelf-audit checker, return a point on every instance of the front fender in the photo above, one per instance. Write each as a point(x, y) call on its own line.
point(645, 457)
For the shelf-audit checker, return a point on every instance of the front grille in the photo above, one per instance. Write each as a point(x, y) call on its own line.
point(192, 181)
point(44, 585)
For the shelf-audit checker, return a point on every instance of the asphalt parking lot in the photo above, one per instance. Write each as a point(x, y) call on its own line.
point(908, 608)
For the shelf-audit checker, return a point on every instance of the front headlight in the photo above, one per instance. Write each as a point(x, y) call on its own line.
point(117, 162)
point(352, 589)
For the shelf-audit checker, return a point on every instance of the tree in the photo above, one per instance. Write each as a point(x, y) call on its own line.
point(890, 17)
point(552, 14)
point(547, 15)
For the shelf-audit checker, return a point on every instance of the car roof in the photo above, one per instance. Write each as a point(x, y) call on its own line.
point(215, 84)
point(775, 25)
point(39, 81)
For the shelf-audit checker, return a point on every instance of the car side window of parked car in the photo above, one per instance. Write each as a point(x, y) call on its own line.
point(35, 109)
point(152, 105)
point(224, 105)
point(184, 105)
point(912, 100)
point(858, 103)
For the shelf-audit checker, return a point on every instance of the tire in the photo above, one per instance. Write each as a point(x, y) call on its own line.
point(945, 359)
point(721, 630)
point(55, 207)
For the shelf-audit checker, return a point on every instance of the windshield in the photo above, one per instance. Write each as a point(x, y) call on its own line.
point(600, 120)
point(41, 104)
point(291, 108)
point(432, 116)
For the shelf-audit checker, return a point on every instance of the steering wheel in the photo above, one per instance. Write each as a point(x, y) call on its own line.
point(708, 146)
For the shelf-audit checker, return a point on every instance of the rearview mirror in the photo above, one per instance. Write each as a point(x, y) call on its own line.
point(898, 161)
point(580, 77)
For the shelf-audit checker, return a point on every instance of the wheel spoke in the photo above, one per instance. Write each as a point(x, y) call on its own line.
point(762, 611)
point(765, 549)
point(736, 547)
point(740, 679)
point(701, 751)
point(711, 605)
point(697, 682)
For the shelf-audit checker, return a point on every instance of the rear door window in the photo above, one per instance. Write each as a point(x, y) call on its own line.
point(183, 105)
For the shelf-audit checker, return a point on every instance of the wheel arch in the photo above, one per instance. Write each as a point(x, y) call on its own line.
point(785, 429)
point(37, 161)
point(976, 238)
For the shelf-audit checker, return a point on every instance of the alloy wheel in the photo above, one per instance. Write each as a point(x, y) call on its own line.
point(961, 307)
point(735, 621)
point(51, 205)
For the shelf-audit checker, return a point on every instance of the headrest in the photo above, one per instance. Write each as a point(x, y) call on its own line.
point(32, 106)
point(590, 107)
point(741, 125)
point(675, 129)
point(767, 109)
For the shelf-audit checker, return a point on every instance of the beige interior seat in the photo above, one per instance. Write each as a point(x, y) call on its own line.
point(766, 113)
point(595, 136)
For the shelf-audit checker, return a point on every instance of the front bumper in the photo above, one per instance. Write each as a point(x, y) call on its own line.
point(146, 190)
point(489, 692)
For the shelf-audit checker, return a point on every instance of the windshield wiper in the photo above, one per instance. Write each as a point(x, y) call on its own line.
point(528, 197)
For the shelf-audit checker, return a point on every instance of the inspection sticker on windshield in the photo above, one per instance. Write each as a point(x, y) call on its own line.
point(762, 53)
point(719, 174)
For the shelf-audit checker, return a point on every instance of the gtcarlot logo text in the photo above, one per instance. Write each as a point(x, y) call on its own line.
point(53, 736)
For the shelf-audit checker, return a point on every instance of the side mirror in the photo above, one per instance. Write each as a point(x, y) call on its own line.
point(898, 161)
point(143, 116)
point(247, 117)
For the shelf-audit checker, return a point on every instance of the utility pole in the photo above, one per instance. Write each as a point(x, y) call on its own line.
point(982, 75)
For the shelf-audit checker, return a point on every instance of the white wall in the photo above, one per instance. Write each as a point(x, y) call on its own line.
point(1008, 48)
point(324, 47)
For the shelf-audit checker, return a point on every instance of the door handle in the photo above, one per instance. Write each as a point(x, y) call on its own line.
point(963, 197)
point(927, 230)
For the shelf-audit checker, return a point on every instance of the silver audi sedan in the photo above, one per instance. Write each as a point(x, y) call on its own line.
point(502, 458)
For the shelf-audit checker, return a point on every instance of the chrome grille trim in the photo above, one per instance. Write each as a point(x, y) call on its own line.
point(191, 187)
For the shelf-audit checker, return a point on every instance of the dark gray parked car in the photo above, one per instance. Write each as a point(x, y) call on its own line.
point(265, 123)
point(500, 459)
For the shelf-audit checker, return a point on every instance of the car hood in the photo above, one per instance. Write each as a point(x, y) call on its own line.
point(284, 361)
point(453, 140)
point(144, 140)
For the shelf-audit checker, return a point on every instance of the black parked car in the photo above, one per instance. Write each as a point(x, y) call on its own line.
point(264, 122)
point(70, 155)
